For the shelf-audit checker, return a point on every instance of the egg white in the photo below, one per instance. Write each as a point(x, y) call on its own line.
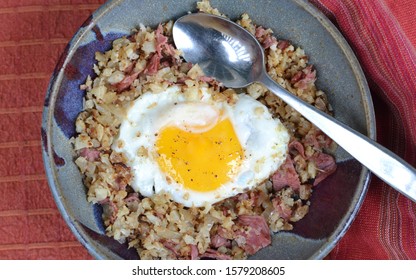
point(263, 139)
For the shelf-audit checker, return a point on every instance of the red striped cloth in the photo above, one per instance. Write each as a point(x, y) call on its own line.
point(386, 225)
point(33, 33)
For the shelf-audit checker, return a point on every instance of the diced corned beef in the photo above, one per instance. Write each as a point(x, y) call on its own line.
point(161, 39)
point(256, 236)
point(109, 209)
point(206, 79)
point(318, 140)
point(286, 176)
point(264, 37)
point(120, 183)
point(281, 208)
point(181, 81)
point(218, 241)
point(153, 65)
point(194, 252)
point(132, 201)
point(254, 197)
point(129, 69)
point(171, 246)
point(170, 50)
point(164, 63)
point(257, 198)
point(310, 74)
point(260, 32)
point(210, 80)
point(308, 77)
point(269, 41)
point(326, 165)
point(214, 254)
point(89, 154)
point(163, 49)
point(251, 220)
point(283, 44)
point(126, 82)
point(242, 196)
point(298, 147)
point(296, 77)
point(157, 59)
point(323, 161)
point(324, 141)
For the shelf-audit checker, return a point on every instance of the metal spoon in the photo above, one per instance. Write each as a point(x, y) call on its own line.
point(234, 57)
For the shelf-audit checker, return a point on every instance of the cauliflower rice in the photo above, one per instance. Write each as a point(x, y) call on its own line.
point(157, 227)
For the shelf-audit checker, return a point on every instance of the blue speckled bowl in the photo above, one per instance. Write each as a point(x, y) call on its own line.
point(335, 202)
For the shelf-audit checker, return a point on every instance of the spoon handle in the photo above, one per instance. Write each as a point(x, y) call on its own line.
point(386, 165)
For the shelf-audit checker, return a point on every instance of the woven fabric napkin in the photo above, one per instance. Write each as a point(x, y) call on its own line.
point(381, 35)
point(33, 33)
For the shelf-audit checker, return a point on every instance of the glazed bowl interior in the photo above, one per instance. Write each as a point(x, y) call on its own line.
point(335, 202)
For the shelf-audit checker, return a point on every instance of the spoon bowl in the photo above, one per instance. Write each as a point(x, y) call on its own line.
point(232, 55)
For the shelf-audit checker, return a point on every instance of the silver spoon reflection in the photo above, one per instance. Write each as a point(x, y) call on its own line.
point(233, 56)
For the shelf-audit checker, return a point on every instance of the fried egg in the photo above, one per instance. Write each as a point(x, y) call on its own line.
point(197, 149)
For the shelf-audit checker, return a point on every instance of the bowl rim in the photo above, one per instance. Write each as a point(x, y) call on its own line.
point(79, 230)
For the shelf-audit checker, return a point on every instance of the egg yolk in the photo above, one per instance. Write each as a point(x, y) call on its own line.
point(200, 161)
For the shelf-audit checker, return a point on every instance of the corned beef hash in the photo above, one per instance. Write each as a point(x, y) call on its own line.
point(185, 168)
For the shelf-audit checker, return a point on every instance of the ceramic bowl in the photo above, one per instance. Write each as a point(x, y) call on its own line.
point(335, 202)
